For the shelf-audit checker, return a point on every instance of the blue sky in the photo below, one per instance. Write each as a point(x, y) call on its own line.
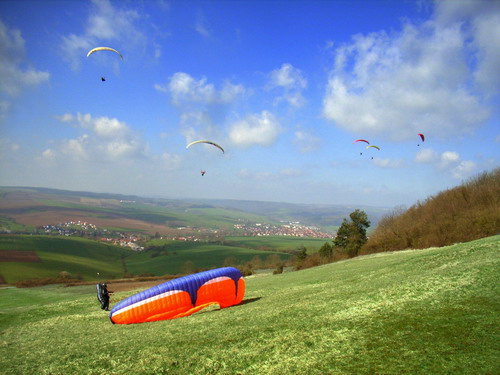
point(286, 87)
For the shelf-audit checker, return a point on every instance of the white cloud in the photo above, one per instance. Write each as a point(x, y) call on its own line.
point(480, 20)
point(104, 127)
point(388, 163)
point(292, 81)
point(257, 129)
point(449, 157)
point(306, 141)
point(170, 161)
point(14, 76)
point(76, 148)
point(287, 77)
point(426, 155)
point(48, 154)
point(201, 25)
point(400, 84)
point(465, 169)
point(104, 24)
point(183, 88)
point(109, 139)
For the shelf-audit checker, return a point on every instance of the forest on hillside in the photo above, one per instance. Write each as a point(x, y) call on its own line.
point(467, 212)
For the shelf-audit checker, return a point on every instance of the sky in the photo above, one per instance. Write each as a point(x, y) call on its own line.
point(285, 87)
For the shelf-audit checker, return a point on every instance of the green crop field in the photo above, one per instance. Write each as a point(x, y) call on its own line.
point(200, 255)
point(87, 258)
point(432, 311)
point(278, 243)
point(75, 255)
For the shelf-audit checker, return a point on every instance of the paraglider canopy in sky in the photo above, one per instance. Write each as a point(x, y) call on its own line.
point(422, 137)
point(104, 49)
point(361, 140)
point(207, 142)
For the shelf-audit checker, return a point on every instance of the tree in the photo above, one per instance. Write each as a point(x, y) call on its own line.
point(301, 253)
point(326, 251)
point(352, 233)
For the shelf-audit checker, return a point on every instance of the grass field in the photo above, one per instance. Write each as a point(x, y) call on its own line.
point(279, 243)
point(75, 255)
point(86, 258)
point(432, 311)
point(200, 255)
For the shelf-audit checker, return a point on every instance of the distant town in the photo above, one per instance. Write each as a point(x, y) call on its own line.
point(134, 241)
point(294, 229)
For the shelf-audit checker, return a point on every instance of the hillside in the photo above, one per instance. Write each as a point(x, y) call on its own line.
point(431, 311)
point(25, 208)
point(51, 255)
point(25, 257)
point(464, 213)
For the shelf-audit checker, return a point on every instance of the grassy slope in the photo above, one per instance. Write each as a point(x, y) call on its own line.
point(433, 311)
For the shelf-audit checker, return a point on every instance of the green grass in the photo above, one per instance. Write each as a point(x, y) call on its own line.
point(202, 255)
point(432, 311)
point(74, 255)
point(86, 258)
point(7, 224)
point(279, 243)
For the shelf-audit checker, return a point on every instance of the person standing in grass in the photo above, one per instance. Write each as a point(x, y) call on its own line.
point(103, 295)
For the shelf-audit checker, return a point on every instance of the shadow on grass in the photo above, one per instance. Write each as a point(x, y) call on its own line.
point(248, 300)
point(209, 310)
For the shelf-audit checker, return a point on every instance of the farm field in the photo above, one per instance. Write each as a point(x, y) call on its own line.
point(29, 208)
point(431, 311)
point(77, 256)
point(278, 243)
point(199, 255)
point(88, 259)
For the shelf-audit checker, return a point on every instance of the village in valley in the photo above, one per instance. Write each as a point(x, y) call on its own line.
point(134, 240)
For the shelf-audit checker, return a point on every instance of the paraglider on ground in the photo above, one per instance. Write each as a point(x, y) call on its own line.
point(182, 297)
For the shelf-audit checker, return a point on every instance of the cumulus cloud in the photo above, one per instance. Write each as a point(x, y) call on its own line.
point(481, 23)
point(108, 139)
point(105, 23)
point(15, 76)
point(449, 157)
point(291, 81)
point(257, 129)
point(183, 88)
point(203, 106)
point(465, 169)
point(451, 162)
point(427, 156)
point(415, 80)
point(48, 154)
